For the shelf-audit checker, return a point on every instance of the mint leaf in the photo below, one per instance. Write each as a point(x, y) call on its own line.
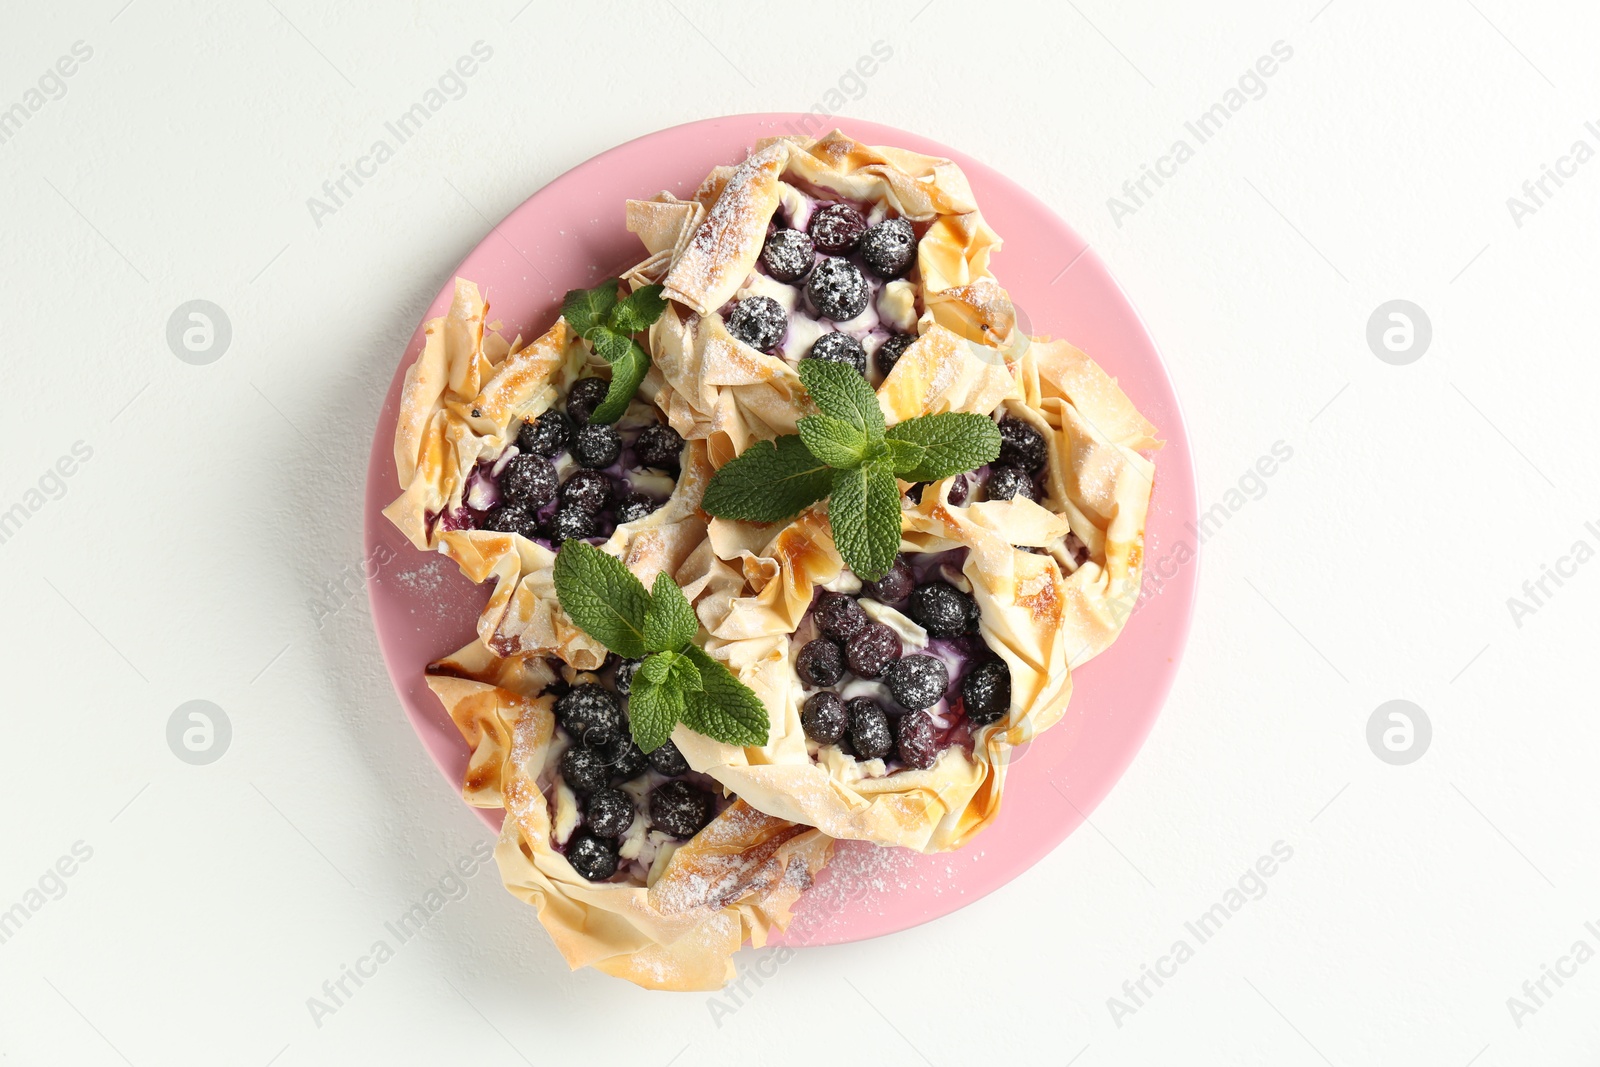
point(726, 709)
point(626, 374)
point(951, 443)
point(585, 309)
point(864, 514)
point(671, 668)
point(839, 391)
point(903, 455)
point(638, 310)
point(653, 710)
point(767, 482)
point(609, 345)
point(600, 594)
point(670, 622)
point(834, 441)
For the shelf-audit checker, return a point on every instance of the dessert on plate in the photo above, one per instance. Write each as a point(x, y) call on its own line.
point(506, 450)
point(635, 866)
point(795, 534)
point(895, 695)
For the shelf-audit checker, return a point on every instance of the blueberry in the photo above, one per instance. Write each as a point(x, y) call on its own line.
point(609, 812)
point(788, 255)
point(914, 739)
point(591, 715)
point(624, 758)
point(584, 396)
point(823, 718)
point(659, 446)
point(596, 446)
point(569, 524)
point(893, 587)
point(668, 760)
point(839, 347)
point(547, 435)
point(869, 729)
point(593, 857)
point(838, 290)
point(960, 490)
point(871, 651)
point(942, 609)
point(513, 518)
point(820, 663)
point(889, 353)
point(634, 507)
point(986, 692)
point(836, 228)
point(1022, 446)
point(586, 491)
point(758, 321)
point(529, 480)
point(889, 248)
point(584, 770)
point(626, 669)
point(1008, 483)
point(679, 808)
point(839, 616)
point(918, 681)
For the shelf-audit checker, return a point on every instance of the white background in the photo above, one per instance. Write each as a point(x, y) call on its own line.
point(187, 557)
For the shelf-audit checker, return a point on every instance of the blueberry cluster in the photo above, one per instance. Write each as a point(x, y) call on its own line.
point(836, 286)
point(600, 757)
point(1020, 467)
point(529, 482)
point(852, 644)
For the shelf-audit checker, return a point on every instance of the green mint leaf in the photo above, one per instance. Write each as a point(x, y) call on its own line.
point(839, 391)
point(626, 374)
point(834, 441)
point(638, 310)
point(903, 455)
point(653, 710)
point(585, 309)
point(671, 669)
point(725, 709)
point(670, 622)
point(600, 594)
point(609, 345)
point(655, 669)
point(864, 514)
point(951, 443)
point(768, 482)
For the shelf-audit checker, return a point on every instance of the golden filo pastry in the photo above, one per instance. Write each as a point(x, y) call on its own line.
point(674, 908)
point(1052, 581)
point(458, 438)
point(926, 275)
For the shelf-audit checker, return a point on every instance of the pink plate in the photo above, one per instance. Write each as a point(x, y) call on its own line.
point(570, 234)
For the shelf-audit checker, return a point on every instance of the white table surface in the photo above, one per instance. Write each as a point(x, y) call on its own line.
point(186, 557)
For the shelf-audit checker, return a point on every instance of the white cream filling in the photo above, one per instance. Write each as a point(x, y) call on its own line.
point(566, 814)
point(897, 305)
point(913, 637)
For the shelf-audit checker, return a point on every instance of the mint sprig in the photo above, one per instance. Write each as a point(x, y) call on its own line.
point(844, 453)
point(677, 680)
point(608, 324)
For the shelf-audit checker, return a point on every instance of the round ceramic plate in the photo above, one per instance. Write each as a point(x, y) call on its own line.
point(569, 235)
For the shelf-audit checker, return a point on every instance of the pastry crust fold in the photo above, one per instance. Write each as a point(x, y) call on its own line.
point(734, 881)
